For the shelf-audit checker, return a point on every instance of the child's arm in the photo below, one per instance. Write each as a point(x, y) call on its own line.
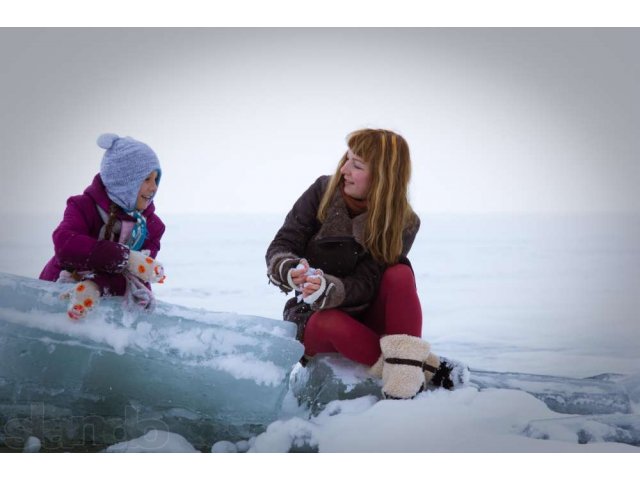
point(155, 229)
point(77, 249)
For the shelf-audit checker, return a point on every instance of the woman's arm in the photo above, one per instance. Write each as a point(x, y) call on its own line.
point(289, 244)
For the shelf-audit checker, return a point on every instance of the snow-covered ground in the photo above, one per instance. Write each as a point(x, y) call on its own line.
point(547, 295)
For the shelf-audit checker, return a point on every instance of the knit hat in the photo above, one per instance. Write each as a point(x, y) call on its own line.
point(125, 165)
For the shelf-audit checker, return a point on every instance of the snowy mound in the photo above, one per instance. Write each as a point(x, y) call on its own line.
point(342, 411)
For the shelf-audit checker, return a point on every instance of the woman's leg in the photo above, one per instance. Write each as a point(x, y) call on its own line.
point(396, 309)
point(335, 331)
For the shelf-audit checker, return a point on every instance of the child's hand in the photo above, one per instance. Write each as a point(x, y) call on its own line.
point(83, 298)
point(145, 268)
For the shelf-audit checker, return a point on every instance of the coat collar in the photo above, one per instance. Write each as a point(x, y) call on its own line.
point(339, 224)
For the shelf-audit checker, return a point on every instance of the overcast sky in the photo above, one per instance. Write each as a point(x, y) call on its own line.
point(498, 120)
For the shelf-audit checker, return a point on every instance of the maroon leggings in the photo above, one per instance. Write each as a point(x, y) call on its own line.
point(395, 310)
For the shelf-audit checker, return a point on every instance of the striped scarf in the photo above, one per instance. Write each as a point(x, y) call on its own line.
point(139, 232)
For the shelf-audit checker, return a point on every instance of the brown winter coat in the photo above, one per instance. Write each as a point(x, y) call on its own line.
point(336, 246)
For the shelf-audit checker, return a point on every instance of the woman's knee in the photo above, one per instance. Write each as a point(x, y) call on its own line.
point(331, 324)
point(399, 274)
point(324, 320)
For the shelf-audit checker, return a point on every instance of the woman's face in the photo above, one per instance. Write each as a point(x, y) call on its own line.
point(148, 189)
point(356, 175)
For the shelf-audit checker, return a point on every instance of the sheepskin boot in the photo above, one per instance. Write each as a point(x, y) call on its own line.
point(431, 365)
point(376, 369)
point(404, 356)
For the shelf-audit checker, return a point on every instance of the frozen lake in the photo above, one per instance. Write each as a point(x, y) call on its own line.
point(555, 295)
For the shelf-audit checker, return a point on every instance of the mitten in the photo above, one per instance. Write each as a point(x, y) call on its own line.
point(145, 267)
point(403, 373)
point(82, 299)
point(331, 293)
point(279, 270)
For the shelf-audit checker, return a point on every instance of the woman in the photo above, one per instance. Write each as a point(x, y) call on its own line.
point(343, 247)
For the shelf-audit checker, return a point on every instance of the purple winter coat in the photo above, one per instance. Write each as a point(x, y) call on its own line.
point(77, 246)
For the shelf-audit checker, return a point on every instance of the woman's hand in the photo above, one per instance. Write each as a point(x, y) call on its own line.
point(314, 286)
point(308, 280)
point(311, 285)
point(299, 274)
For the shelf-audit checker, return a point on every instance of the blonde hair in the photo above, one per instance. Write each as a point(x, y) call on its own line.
point(389, 211)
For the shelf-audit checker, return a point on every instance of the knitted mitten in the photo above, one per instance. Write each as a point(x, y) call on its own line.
point(145, 267)
point(279, 268)
point(82, 299)
point(404, 357)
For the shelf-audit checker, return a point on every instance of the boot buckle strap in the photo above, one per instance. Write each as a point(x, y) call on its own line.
point(414, 363)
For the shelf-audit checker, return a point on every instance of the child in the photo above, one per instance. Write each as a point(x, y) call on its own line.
point(109, 236)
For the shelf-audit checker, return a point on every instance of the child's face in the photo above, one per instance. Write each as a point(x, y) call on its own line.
point(147, 191)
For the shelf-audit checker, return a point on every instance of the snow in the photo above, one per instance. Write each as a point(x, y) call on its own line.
point(224, 446)
point(97, 330)
point(465, 420)
point(32, 445)
point(248, 367)
point(344, 369)
point(547, 295)
point(157, 441)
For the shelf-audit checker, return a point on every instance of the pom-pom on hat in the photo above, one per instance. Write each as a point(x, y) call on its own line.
point(125, 165)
